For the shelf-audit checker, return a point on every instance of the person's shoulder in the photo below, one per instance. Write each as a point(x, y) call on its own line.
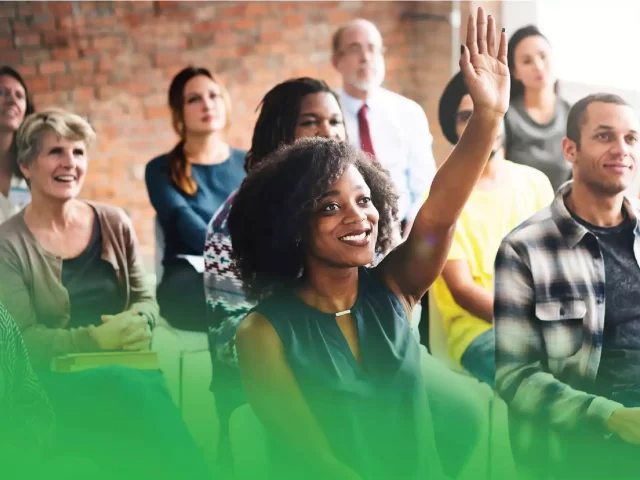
point(158, 164)
point(530, 232)
point(400, 101)
point(256, 330)
point(113, 215)
point(13, 229)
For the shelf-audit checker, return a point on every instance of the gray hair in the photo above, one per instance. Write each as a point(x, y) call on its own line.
point(64, 124)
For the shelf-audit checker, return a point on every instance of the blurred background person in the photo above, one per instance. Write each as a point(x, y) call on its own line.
point(537, 118)
point(15, 104)
point(186, 186)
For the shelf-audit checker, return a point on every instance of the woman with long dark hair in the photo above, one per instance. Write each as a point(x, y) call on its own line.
point(537, 118)
point(15, 105)
point(187, 185)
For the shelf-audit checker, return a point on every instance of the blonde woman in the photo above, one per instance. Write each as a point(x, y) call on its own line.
point(71, 276)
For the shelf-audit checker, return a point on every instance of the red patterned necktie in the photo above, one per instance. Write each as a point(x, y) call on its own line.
point(365, 134)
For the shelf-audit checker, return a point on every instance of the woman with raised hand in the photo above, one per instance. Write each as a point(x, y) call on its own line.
point(328, 359)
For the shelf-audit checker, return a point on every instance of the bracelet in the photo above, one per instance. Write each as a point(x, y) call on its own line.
point(148, 318)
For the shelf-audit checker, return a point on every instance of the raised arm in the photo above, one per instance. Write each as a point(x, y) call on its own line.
point(276, 399)
point(172, 208)
point(412, 267)
point(520, 353)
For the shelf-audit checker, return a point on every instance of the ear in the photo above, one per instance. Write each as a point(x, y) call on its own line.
point(569, 149)
point(335, 59)
point(26, 171)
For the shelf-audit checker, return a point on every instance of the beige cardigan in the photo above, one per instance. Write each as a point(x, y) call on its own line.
point(32, 291)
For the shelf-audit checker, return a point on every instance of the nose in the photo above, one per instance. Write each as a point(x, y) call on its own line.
point(355, 214)
point(327, 130)
point(68, 159)
point(620, 148)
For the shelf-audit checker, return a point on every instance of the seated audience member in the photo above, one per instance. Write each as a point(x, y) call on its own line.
point(186, 187)
point(72, 277)
point(304, 107)
point(27, 420)
point(14, 106)
point(537, 117)
point(567, 319)
point(506, 195)
point(388, 126)
point(328, 358)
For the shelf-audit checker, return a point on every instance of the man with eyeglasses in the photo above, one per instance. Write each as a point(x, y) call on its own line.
point(391, 128)
point(506, 195)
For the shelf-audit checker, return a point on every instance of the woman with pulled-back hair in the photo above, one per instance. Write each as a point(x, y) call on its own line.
point(537, 118)
point(187, 185)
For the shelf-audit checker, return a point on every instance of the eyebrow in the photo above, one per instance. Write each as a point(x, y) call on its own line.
point(333, 193)
point(609, 128)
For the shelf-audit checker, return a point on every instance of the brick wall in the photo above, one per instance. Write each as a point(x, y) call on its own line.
point(113, 61)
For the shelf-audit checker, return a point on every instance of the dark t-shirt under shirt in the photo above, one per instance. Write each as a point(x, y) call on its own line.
point(619, 369)
point(92, 284)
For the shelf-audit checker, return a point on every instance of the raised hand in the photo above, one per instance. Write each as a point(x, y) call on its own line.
point(484, 66)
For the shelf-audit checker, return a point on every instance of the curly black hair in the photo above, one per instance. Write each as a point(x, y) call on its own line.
point(270, 216)
point(278, 118)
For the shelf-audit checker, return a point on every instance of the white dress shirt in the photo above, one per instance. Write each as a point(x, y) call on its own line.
point(401, 141)
point(18, 198)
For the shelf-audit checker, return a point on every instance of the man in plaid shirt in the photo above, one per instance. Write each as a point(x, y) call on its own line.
point(567, 309)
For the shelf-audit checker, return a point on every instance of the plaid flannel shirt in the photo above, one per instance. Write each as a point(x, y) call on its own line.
point(549, 310)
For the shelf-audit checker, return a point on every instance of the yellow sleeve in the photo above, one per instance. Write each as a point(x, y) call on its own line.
point(457, 251)
point(544, 192)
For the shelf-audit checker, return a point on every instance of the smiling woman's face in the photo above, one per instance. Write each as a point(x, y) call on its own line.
point(344, 226)
point(13, 103)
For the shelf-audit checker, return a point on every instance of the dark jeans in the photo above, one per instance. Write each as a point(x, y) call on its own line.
point(181, 297)
point(479, 359)
point(124, 421)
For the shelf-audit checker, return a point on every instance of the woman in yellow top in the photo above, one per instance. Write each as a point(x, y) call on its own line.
point(506, 195)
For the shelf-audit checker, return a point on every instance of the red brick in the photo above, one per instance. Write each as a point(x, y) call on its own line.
point(83, 94)
point(211, 27)
point(51, 99)
point(6, 42)
point(257, 9)
point(64, 53)
point(63, 82)
point(85, 65)
point(47, 68)
point(107, 43)
point(27, 40)
point(60, 8)
point(8, 10)
point(31, 8)
point(293, 20)
point(37, 55)
point(245, 23)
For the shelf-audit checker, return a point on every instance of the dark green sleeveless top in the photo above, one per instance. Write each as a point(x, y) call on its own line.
point(375, 414)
